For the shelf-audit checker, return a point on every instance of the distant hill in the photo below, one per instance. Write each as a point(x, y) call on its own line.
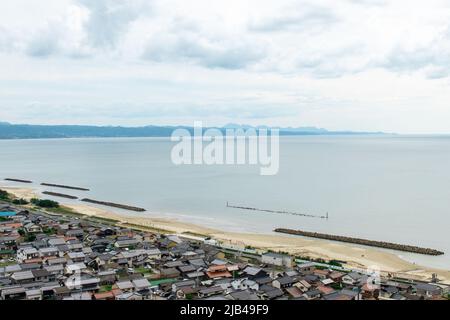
point(25, 131)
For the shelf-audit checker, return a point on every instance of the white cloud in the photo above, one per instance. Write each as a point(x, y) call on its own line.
point(194, 46)
point(355, 64)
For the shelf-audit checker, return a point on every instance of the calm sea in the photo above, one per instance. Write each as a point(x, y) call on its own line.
point(391, 188)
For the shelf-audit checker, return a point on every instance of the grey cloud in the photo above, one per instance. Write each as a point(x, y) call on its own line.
point(210, 53)
point(438, 65)
point(434, 58)
point(304, 17)
point(334, 63)
point(402, 60)
point(369, 2)
point(6, 41)
point(109, 19)
point(43, 45)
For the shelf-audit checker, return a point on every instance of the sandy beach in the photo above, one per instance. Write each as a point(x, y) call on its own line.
point(24, 193)
point(356, 257)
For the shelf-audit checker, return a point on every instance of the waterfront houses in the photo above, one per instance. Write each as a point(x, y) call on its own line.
point(56, 257)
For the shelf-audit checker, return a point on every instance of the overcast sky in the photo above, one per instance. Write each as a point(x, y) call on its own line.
point(342, 65)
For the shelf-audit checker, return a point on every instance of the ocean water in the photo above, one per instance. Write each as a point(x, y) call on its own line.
point(390, 188)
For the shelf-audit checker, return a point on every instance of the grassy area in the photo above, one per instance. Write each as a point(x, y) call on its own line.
point(107, 220)
point(145, 228)
point(7, 263)
point(105, 288)
point(196, 234)
point(143, 270)
point(49, 231)
point(122, 274)
point(62, 210)
point(162, 281)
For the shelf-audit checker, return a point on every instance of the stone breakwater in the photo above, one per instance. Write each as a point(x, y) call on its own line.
point(365, 242)
point(115, 205)
point(63, 186)
point(61, 195)
point(18, 180)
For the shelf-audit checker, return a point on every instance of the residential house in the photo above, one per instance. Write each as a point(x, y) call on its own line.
point(254, 273)
point(49, 252)
point(142, 286)
point(76, 257)
point(218, 271)
point(25, 254)
point(83, 283)
point(283, 282)
point(170, 273)
point(32, 228)
point(306, 268)
point(352, 278)
point(124, 286)
point(22, 277)
point(207, 292)
point(277, 259)
point(428, 290)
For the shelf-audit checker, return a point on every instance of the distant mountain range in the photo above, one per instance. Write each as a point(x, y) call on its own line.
point(25, 131)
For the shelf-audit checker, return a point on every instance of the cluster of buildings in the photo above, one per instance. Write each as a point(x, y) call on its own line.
point(64, 258)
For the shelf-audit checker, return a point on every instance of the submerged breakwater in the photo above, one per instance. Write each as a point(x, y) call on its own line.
point(115, 205)
point(63, 186)
point(278, 211)
point(365, 242)
point(61, 195)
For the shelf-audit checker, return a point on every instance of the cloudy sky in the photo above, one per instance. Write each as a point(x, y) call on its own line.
point(343, 65)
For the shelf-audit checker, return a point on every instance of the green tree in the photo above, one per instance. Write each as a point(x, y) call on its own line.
point(45, 203)
point(4, 195)
point(20, 201)
point(30, 237)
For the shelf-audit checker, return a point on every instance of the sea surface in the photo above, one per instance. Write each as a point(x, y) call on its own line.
point(390, 188)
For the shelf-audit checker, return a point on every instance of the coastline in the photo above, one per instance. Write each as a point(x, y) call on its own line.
point(355, 256)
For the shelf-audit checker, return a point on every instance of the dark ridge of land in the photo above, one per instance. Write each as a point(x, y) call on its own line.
point(63, 186)
point(365, 242)
point(25, 131)
point(115, 205)
point(61, 195)
point(18, 180)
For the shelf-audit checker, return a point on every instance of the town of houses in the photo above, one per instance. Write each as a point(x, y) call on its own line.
point(53, 257)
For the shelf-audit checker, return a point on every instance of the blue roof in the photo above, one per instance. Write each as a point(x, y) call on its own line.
point(7, 214)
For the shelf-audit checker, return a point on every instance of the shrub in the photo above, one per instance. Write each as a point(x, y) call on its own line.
point(30, 238)
point(45, 203)
point(20, 201)
point(4, 195)
point(335, 263)
point(48, 231)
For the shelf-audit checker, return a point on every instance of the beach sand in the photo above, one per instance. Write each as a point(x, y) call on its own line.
point(25, 193)
point(355, 256)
